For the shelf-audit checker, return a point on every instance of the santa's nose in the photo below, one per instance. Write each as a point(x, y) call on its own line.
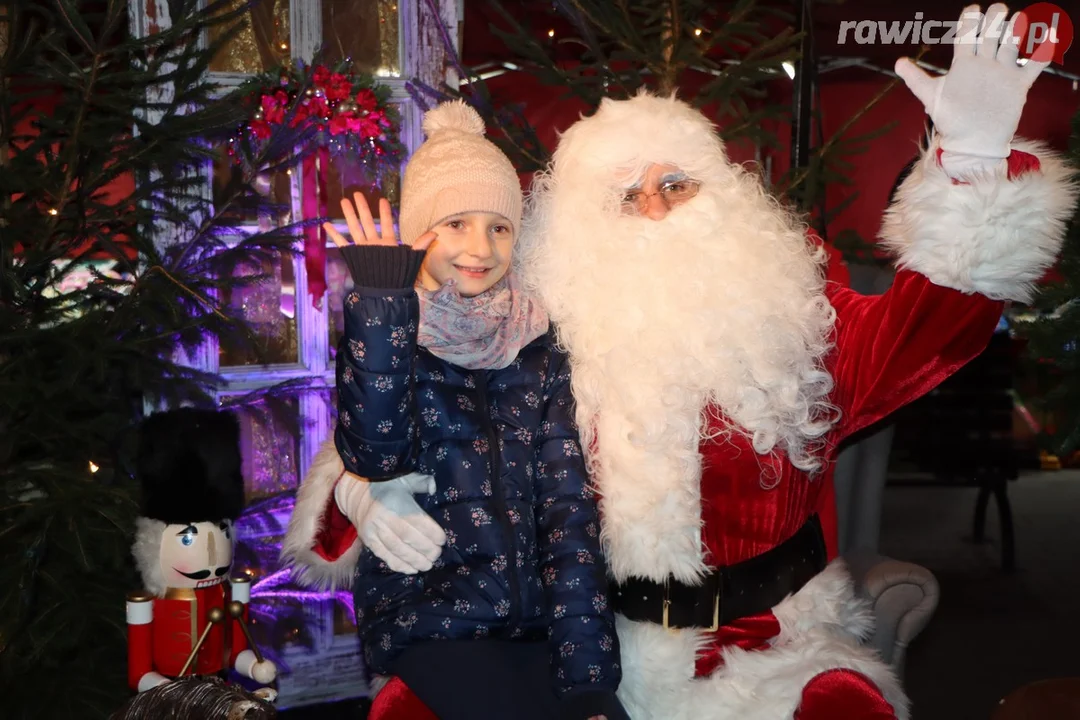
point(657, 207)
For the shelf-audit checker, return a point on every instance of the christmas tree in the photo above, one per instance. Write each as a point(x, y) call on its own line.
point(1052, 333)
point(114, 265)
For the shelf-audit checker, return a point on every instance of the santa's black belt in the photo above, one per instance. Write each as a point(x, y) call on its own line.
point(731, 592)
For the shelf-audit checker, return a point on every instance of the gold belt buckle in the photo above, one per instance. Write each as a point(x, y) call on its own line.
point(715, 613)
point(716, 610)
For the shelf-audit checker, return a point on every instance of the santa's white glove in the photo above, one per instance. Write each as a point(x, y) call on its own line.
point(261, 671)
point(976, 106)
point(390, 522)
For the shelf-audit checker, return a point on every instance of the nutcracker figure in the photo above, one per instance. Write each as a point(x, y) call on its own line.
point(187, 620)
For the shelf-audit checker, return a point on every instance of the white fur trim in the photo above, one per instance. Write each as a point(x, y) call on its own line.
point(650, 500)
point(315, 493)
point(993, 236)
point(820, 629)
point(147, 553)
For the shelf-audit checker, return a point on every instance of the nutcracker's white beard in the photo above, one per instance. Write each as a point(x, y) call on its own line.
point(720, 302)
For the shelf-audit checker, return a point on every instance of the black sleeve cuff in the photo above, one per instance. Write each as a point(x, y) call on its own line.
point(580, 704)
point(384, 267)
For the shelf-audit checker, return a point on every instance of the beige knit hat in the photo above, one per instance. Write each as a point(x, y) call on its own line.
point(455, 171)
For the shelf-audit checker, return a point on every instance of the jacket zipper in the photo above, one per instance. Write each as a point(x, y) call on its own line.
point(498, 493)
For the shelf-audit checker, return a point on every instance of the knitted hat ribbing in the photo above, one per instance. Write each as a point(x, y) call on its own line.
point(456, 171)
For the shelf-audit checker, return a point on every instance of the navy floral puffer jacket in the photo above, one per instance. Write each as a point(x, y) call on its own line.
point(522, 559)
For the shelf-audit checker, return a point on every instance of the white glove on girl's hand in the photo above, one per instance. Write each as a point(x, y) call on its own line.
point(390, 522)
point(976, 106)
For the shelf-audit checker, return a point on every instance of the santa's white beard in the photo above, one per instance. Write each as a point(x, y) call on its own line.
point(719, 303)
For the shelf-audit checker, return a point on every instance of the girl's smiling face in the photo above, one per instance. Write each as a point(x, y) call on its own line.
point(473, 249)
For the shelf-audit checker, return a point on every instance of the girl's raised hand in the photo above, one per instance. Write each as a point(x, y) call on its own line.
point(362, 224)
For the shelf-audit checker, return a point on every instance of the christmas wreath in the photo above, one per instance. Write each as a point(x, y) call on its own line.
point(331, 111)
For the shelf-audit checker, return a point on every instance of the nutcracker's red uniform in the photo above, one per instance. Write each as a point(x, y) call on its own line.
point(162, 632)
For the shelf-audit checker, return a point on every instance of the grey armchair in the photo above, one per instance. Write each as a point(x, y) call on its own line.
point(904, 597)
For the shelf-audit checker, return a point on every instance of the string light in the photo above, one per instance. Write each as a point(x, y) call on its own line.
point(697, 32)
point(284, 46)
point(52, 211)
point(551, 33)
point(93, 468)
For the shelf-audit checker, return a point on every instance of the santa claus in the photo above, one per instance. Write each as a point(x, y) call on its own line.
point(715, 372)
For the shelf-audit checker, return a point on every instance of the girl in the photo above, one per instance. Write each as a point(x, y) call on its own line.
point(460, 379)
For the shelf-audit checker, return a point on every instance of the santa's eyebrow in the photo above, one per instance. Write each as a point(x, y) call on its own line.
point(189, 529)
point(673, 177)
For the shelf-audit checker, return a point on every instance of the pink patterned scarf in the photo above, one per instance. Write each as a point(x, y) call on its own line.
point(484, 332)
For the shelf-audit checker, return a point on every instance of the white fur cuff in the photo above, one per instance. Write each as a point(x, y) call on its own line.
point(993, 236)
point(312, 500)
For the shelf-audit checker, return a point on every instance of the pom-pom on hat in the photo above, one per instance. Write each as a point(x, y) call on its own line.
point(457, 170)
point(189, 466)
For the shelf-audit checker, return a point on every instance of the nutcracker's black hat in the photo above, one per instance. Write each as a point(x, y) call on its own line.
point(189, 466)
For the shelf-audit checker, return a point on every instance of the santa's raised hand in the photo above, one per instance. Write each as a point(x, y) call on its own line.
point(976, 105)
